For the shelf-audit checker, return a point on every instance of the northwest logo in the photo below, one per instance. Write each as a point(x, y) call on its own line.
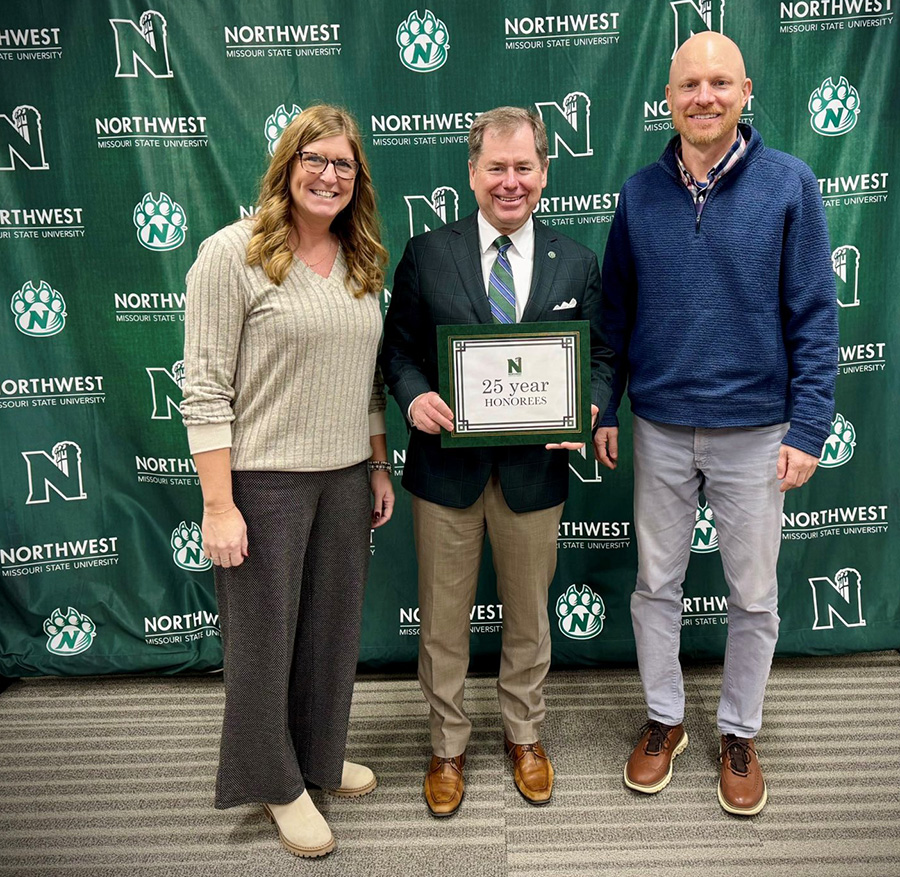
point(705, 539)
point(160, 222)
point(581, 612)
point(166, 386)
point(426, 214)
point(69, 633)
point(839, 445)
point(187, 548)
point(60, 471)
point(696, 16)
point(277, 122)
point(834, 108)
point(845, 264)
point(568, 125)
point(841, 599)
point(584, 466)
point(423, 41)
point(21, 138)
point(144, 43)
point(40, 311)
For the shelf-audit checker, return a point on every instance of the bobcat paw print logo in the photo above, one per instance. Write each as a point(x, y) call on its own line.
point(160, 223)
point(423, 42)
point(39, 311)
point(580, 612)
point(69, 633)
point(834, 108)
point(277, 122)
point(705, 539)
point(839, 445)
point(187, 548)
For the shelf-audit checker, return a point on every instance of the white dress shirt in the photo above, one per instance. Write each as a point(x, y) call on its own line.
point(520, 255)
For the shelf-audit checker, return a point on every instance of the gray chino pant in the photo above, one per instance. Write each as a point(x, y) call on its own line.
point(290, 619)
point(736, 469)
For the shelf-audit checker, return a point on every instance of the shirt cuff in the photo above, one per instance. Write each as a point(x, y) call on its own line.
point(409, 416)
point(209, 437)
point(376, 423)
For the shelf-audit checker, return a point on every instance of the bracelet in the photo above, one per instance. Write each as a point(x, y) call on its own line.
point(378, 466)
point(205, 512)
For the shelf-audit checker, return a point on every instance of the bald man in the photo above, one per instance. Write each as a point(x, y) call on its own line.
point(720, 304)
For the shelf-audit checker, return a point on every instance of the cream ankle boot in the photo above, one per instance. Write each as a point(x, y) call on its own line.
point(302, 829)
point(356, 780)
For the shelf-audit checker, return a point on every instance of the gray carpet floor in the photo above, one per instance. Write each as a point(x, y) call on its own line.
point(114, 776)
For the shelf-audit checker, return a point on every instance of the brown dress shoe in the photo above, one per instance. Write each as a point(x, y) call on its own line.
point(649, 767)
point(533, 771)
point(742, 789)
point(444, 785)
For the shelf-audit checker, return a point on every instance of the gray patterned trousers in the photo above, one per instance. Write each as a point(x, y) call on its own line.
point(290, 619)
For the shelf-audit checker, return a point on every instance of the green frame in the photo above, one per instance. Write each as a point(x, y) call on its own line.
point(570, 333)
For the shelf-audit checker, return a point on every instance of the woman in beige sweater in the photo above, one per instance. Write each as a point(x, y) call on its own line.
point(284, 409)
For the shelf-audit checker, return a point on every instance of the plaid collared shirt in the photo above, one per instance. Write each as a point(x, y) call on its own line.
point(700, 190)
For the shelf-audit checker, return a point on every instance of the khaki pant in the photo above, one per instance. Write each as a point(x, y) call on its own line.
point(449, 544)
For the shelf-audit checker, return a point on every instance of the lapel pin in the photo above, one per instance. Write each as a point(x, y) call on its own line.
point(551, 255)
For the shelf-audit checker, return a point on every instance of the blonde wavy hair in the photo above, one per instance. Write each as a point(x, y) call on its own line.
point(357, 226)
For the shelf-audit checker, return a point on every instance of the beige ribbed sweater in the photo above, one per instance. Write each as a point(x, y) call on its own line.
point(284, 375)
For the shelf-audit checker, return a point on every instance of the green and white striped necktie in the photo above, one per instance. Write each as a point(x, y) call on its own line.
point(501, 288)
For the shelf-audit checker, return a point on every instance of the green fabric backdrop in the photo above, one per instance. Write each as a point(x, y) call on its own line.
point(130, 134)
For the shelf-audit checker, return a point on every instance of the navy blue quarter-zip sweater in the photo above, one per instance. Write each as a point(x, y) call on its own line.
point(729, 319)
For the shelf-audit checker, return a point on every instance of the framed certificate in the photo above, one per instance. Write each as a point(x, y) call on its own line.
point(516, 383)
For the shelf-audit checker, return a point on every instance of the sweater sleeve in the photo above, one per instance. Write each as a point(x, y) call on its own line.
point(215, 309)
point(619, 298)
point(809, 317)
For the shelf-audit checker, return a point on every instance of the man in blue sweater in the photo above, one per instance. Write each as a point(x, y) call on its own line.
point(720, 306)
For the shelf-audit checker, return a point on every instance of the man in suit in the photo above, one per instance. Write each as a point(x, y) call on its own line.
point(496, 265)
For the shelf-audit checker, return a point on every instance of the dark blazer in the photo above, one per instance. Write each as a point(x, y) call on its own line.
point(439, 281)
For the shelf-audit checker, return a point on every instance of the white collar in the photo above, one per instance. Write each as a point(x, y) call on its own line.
point(522, 238)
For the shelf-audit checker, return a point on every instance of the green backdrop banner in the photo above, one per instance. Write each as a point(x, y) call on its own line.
point(128, 134)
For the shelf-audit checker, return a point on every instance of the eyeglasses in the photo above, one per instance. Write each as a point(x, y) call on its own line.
point(345, 168)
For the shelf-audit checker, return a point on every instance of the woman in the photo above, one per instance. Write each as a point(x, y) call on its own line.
point(283, 407)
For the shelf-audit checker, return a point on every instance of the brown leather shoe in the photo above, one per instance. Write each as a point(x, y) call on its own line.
point(533, 771)
point(649, 767)
point(444, 785)
point(742, 789)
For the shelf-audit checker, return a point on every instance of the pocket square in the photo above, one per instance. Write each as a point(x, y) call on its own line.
point(565, 305)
